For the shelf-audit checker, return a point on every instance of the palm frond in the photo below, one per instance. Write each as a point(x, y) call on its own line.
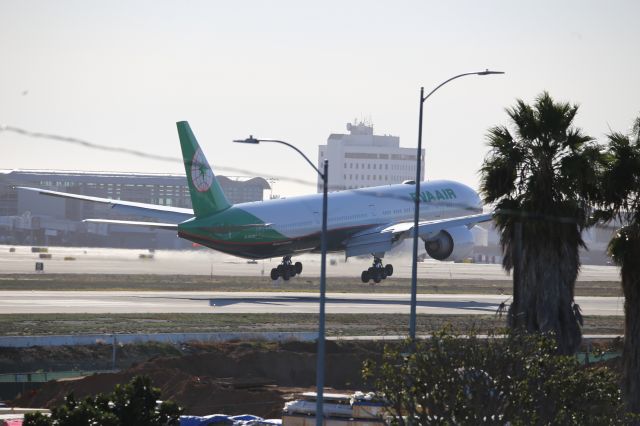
point(635, 130)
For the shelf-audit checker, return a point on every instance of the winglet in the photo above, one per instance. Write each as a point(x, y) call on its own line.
point(206, 194)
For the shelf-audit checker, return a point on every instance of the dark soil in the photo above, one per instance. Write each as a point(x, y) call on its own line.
point(86, 358)
point(231, 378)
point(206, 378)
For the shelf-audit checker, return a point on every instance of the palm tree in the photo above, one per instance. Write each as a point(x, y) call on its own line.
point(541, 173)
point(621, 202)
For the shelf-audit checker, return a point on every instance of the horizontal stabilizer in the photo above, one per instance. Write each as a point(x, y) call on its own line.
point(166, 213)
point(154, 225)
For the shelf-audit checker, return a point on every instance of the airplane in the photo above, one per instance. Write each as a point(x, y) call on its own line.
point(366, 221)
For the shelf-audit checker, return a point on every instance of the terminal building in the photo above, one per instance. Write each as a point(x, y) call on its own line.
point(32, 219)
point(360, 159)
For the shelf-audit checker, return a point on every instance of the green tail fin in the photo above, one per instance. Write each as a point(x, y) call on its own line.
point(206, 195)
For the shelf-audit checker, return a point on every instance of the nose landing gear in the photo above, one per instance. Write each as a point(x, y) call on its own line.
point(287, 269)
point(377, 272)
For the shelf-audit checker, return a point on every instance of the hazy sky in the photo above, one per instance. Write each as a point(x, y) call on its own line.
point(122, 73)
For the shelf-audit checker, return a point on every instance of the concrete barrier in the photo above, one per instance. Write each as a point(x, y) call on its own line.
point(175, 338)
point(93, 339)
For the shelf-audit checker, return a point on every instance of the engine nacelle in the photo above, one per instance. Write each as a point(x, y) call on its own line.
point(453, 244)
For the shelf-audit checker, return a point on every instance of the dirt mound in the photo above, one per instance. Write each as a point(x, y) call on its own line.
point(232, 378)
point(90, 357)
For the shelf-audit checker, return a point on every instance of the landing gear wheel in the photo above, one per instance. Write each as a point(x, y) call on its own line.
point(287, 269)
point(377, 272)
point(274, 274)
point(389, 269)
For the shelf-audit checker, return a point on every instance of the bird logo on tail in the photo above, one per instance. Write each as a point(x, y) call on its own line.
point(201, 174)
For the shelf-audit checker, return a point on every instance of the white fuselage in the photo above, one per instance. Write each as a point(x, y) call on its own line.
point(284, 227)
point(358, 208)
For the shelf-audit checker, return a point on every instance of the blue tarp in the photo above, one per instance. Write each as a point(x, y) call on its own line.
point(223, 419)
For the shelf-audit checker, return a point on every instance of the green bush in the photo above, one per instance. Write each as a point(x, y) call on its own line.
point(516, 379)
point(133, 404)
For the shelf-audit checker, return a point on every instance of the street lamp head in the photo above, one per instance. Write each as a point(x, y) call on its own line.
point(250, 139)
point(487, 72)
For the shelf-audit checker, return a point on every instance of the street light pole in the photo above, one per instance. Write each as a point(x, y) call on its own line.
point(320, 364)
point(416, 219)
point(416, 216)
point(323, 289)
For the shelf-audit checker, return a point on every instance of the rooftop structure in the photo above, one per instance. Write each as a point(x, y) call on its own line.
point(360, 159)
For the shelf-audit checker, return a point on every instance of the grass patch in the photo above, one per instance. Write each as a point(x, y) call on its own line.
point(336, 325)
point(109, 282)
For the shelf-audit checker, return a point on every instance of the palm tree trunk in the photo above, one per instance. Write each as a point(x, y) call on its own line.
point(515, 263)
point(631, 351)
point(544, 277)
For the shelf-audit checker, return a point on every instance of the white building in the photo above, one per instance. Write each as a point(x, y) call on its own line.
point(360, 159)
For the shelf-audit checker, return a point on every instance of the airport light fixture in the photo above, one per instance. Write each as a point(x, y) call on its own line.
point(416, 216)
point(323, 273)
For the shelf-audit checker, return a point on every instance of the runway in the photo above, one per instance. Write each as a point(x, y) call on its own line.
point(209, 262)
point(103, 302)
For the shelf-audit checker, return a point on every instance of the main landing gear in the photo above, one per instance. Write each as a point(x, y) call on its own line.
point(286, 269)
point(377, 272)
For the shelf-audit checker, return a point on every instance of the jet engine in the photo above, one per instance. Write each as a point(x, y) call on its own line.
point(451, 244)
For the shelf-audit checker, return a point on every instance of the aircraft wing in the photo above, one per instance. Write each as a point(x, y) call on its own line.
point(429, 228)
point(381, 239)
point(167, 213)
